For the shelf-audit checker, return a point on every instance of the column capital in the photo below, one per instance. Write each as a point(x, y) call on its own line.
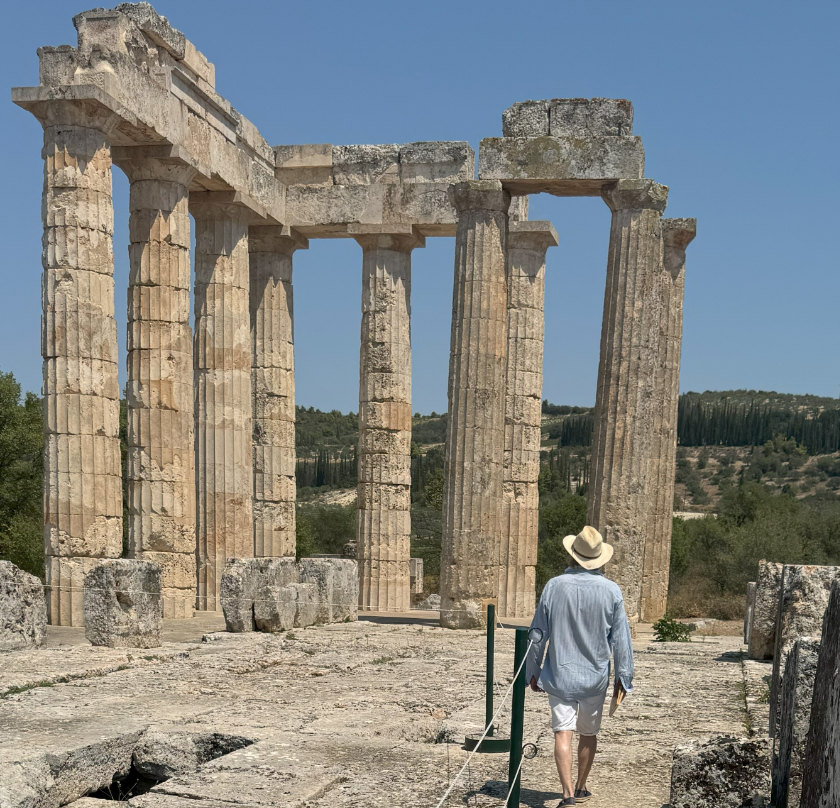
point(221, 204)
point(163, 163)
point(400, 238)
point(275, 239)
point(479, 195)
point(677, 234)
point(635, 195)
point(531, 235)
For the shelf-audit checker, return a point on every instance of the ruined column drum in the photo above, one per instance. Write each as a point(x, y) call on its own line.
point(224, 459)
point(624, 443)
point(518, 534)
point(160, 466)
point(82, 475)
point(469, 573)
point(384, 487)
point(272, 334)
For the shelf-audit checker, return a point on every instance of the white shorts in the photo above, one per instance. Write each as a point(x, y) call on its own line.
point(584, 715)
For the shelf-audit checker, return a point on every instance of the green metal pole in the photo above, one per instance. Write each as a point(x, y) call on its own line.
point(491, 645)
point(517, 717)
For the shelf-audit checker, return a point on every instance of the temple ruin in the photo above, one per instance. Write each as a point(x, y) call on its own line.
point(211, 447)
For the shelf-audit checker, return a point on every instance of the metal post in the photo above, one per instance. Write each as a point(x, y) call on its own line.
point(517, 716)
point(491, 645)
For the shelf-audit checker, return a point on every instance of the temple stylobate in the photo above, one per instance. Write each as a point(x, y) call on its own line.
point(211, 449)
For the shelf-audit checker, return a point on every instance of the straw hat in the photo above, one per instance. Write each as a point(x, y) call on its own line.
point(588, 548)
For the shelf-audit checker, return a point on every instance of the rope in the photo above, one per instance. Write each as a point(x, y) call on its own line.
point(486, 729)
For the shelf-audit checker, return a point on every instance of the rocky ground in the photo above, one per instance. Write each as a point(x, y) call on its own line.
point(369, 713)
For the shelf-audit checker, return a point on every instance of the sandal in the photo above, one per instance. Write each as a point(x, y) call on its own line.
point(582, 794)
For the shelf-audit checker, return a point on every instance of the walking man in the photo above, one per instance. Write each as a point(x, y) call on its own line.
point(581, 617)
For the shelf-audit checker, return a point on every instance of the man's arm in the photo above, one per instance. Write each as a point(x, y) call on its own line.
point(622, 647)
point(533, 667)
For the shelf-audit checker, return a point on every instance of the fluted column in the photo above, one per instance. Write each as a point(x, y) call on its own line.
point(475, 438)
point(625, 444)
point(273, 377)
point(527, 245)
point(224, 459)
point(160, 466)
point(384, 486)
point(82, 475)
point(677, 234)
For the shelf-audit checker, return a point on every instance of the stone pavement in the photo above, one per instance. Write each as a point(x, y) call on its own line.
point(371, 712)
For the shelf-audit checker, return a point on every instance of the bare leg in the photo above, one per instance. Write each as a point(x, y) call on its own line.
point(563, 759)
point(586, 754)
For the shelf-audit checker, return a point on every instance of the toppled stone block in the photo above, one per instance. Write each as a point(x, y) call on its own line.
point(803, 598)
point(306, 604)
point(590, 117)
point(251, 585)
point(821, 776)
point(763, 630)
point(748, 611)
point(337, 583)
point(23, 609)
point(721, 772)
point(431, 603)
point(161, 755)
point(797, 692)
point(122, 604)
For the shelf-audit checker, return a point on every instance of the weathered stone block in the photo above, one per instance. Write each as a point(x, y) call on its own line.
point(797, 692)
point(590, 117)
point(436, 161)
point(748, 611)
point(803, 599)
point(306, 598)
point(525, 119)
point(161, 755)
point(821, 776)
point(251, 587)
point(763, 631)
point(415, 574)
point(362, 165)
point(721, 772)
point(337, 581)
point(23, 609)
point(122, 604)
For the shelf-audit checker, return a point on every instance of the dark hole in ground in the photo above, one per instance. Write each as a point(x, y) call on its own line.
point(157, 763)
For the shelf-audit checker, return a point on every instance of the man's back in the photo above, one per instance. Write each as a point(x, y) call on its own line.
point(581, 616)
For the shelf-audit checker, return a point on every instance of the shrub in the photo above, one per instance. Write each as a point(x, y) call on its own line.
point(669, 630)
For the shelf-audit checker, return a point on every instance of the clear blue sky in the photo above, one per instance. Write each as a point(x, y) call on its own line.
point(737, 104)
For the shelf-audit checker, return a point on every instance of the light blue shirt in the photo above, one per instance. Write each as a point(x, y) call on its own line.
point(582, 619)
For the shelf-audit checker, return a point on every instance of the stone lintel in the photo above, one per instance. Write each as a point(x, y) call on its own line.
point(479, 195)
point(554, 163)
point(81, 105)
point(230, 204)
point(275, 239)
point(535, 235)
point(641, 194)
point(401, 238)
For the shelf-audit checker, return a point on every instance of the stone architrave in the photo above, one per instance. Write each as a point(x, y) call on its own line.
point(82, 473)
point(821, 775)
point(23, 610)
point(748, 611)
point(222, 356)
point(803, 599)
point(160, 468)
point(272, 335)
point(797, 693)
point(384, 486)
point(677, 234)
point(473, 471)
point(763, 630)
point(625, 444)
point(122, 604)
point(527, 244)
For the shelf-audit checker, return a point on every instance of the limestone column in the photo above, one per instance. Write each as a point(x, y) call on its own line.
point(82, 475)
point(273, 377)
point(677, 234)
point(223, 417)
point(625, 445)
point(527, 245)
point(160, 466)
point(384, 486)
point(469, 573)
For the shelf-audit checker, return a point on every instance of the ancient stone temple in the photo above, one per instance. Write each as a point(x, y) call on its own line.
point(211, 448)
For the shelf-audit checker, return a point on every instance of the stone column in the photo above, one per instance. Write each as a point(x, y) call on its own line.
point(160, 467)
point(677, 234)
point(469, 573)
point(82, 475)
point(223, 419)
point(384, 487)
point(527, 245)
point(624, 444)
point(273, 375)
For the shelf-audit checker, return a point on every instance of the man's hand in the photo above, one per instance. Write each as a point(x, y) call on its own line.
point(619, 692)
point(534, 686)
